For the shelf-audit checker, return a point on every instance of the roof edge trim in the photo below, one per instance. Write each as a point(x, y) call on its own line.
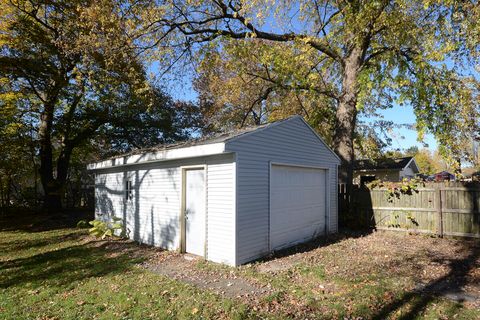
point(160, 155)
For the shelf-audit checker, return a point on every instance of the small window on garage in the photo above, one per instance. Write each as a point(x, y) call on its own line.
point(128, 190)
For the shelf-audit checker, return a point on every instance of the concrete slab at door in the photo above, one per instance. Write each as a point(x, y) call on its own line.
point(195, 211)
point(297, 204)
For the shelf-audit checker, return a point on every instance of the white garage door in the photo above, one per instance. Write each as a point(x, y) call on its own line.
point(297, 204)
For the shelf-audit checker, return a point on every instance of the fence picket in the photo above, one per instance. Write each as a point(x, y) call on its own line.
point(451, 209)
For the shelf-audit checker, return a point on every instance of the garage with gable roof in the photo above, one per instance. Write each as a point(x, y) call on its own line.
point(230, 198)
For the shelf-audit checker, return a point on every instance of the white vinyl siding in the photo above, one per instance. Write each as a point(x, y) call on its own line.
point(153, 214)
point(289, 142)
point(221, 211)
point(109, 195)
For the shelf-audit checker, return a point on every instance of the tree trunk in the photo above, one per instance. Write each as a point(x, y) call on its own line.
point(52, 200)
point(55, 189)
point(343, 139)
point(346, 118)
point(2, 196)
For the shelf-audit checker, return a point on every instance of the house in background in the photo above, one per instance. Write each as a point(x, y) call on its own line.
point(385, 169)
point(231, 198)
point(444, 176)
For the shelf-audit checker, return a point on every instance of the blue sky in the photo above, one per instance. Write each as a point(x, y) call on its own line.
point(402, 138)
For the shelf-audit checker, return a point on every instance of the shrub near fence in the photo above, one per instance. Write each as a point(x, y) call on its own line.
point(446, 208)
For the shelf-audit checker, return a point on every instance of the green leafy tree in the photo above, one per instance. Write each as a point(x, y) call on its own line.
point(425, 161)
point(69, 62)
point(17, 163)
point(69, 69)
point(357, 55)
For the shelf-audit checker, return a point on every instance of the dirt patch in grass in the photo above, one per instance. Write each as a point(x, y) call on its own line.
point(353, 275)
point(407, 272)
point(185, 268)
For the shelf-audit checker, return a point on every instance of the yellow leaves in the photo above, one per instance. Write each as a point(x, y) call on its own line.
point(9, 98)
point(7, 19)
point(11, 128)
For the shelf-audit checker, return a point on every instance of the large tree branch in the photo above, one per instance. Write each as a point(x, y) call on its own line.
point(68, 117)
point(33, 14)
point(210, 29)
point(261, 98)
point(325, 92)
point(88, 131)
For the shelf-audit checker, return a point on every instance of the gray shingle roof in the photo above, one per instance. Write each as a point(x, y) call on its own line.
point(209, 139)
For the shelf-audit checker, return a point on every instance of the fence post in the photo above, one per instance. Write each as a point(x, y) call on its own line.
point(438, 206)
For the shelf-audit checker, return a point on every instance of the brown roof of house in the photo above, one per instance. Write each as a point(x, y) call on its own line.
point(383, 163)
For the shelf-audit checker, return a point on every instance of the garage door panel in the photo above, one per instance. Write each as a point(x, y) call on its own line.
point(297, 204)
point(298, 229)
point(285, 238)
point(291, 221)
point(294, 199)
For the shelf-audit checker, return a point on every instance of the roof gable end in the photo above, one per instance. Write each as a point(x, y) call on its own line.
point(413, 164)
point(282, 123)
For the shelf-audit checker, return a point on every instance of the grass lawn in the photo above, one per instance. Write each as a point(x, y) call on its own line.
point(58, 275)
point(65, 274)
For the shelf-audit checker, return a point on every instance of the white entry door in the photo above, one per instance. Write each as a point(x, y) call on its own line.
point(195, 211)
point(297, 204)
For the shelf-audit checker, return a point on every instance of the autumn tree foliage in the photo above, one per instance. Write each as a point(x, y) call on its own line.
point(70, 72)
point(337, 59)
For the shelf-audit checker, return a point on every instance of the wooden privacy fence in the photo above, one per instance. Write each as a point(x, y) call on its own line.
point(446, 208)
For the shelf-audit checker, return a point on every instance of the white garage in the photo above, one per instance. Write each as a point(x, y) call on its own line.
point(230, 198)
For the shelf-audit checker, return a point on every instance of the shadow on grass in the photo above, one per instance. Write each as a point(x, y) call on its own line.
point(68, 265)
point(450, 286)
point(46, 240)
point(33, 221)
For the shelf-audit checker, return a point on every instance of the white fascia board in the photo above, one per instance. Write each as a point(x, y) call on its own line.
point(160, 155)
